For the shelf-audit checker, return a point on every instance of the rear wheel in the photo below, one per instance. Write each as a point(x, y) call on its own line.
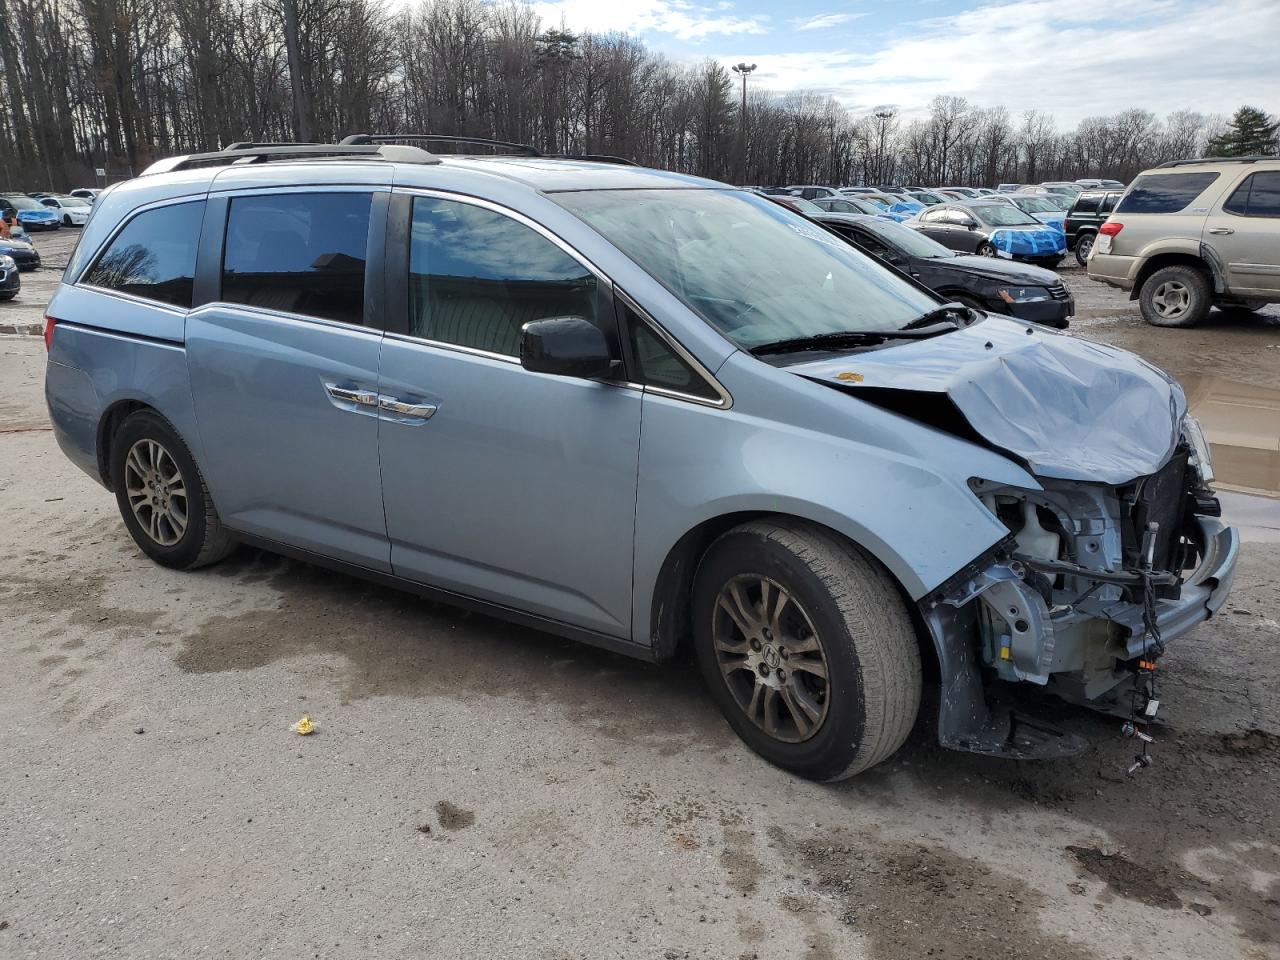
point(162, 495)
point(1084, 247)
point(806, 647)
point(1176, 296)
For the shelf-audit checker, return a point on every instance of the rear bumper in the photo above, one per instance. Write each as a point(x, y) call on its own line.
point(1112, 269)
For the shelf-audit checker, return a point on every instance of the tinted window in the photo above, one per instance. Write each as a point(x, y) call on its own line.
point(1087, 203)
point(1257, 196)
point(154, 256)
point(476, 277)
point(1164, 192)
point(657, 365)
point(298, 253)
point(1109, 202)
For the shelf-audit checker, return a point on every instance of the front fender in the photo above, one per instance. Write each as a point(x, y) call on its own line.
point(792, 447)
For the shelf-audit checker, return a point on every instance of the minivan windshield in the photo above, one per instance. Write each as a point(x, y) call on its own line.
point(755, 271)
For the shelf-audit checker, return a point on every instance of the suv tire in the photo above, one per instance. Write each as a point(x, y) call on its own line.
point(1178, 296)
point(1084, 246)
point(788, 607)
point(162, 495)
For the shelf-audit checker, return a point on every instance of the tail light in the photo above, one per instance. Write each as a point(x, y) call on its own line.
point(49, 323)
point(1110, 228)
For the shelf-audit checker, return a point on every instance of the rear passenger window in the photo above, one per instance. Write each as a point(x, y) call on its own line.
point(1109, 202)
point(1086, 204)
point(298, 253)
point(1164, 192)
point(477, 276)
point(1257, 196)
point(154, 256)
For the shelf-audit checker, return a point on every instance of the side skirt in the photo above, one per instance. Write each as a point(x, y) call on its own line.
point(510, 614)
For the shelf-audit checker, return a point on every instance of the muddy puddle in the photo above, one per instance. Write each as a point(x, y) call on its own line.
point(1242, 424)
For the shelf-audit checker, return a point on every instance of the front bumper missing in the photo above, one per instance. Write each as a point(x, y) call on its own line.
point(995, 605)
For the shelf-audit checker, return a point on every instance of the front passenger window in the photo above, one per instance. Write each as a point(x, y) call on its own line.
point(477, 276)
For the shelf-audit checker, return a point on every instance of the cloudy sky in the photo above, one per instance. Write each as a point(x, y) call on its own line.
point(1072, 58)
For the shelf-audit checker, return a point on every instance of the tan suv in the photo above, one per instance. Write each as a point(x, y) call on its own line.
point(1194, 234)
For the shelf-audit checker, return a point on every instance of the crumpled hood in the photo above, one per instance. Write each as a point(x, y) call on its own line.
point(1071, 409)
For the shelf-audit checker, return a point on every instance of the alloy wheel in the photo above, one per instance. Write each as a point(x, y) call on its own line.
point(771, 658)
point(157, 492)
point(1171, 300)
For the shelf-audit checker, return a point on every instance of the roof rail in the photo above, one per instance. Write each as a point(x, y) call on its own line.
point(363, 139)
point(247, 153)
point(1253, 158)
point(593, 158)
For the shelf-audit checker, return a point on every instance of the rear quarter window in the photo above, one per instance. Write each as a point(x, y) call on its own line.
point(1165, 192)
point(154, 256)
point(1086, 203)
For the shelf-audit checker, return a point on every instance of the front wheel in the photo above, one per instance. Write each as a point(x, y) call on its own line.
point(66, 220)
point(806, 647)
point(162, 495)
point(986, 250)
point(1084, 247)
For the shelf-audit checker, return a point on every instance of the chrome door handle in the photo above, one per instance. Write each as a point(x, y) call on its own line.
point(365, 398)
point(1221, 231)
point(392, 405)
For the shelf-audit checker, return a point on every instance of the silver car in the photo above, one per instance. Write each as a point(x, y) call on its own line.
point(646, 411)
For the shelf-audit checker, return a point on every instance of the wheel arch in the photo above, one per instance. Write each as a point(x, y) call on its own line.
point(670, 619)
point(1176, 259)
point(109, 425)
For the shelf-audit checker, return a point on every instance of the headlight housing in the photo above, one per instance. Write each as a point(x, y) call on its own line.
point(1193, 433)
point(1022, 294)
point(7, 262)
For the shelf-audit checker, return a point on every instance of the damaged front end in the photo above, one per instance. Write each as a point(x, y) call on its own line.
point(1079, 599)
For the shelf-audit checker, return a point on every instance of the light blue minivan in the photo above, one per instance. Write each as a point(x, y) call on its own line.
point(646, 411)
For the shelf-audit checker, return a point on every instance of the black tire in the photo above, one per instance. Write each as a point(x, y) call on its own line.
point(203, 540)
point(1084, 246)
point(66, 219)
point(871, 694)
point(1178, 296)
point(985, 250)
point(4, 297)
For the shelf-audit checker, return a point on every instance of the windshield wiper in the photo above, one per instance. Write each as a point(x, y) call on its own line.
point(945, 312)
point(841, 339)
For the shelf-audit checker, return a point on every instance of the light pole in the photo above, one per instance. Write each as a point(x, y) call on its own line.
point(744, 69)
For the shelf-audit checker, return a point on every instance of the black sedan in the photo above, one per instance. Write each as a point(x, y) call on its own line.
point(996, 286)
point(23, 252)
point(992, 228)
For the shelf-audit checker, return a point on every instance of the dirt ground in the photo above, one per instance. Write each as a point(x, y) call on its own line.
point(480, 790)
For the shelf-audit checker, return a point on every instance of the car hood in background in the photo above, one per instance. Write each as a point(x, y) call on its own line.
point(1067, 407)
point(999, 271)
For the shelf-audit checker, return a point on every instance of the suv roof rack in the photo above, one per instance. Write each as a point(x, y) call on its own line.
point(593, 158)
point(246, 153)
point(365, 139)
point(1253, 158)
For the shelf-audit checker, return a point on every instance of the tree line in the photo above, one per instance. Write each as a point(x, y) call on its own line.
point(119, 83)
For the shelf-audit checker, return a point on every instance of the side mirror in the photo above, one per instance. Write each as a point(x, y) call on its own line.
point(566, 347)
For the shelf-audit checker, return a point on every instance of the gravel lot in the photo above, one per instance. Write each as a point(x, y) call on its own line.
point(480, 790)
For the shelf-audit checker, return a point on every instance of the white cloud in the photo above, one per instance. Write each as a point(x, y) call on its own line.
point(1073, 60)
point(682, 19)
point(824, 20)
